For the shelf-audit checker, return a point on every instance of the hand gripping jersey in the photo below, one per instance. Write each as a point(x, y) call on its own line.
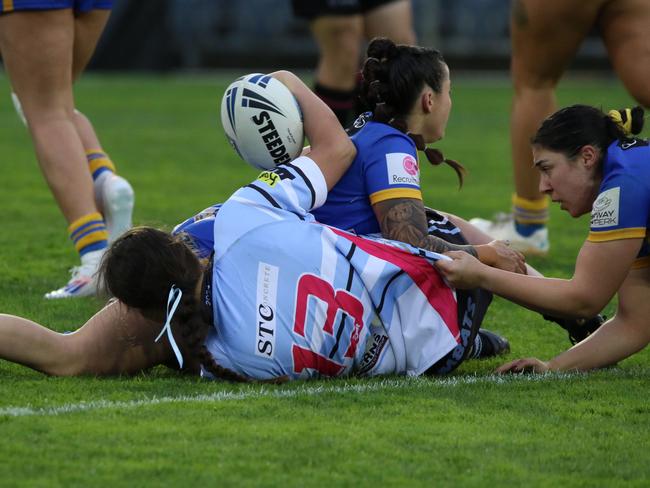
point(622, 209)
point(295, 298)
point(386, 167)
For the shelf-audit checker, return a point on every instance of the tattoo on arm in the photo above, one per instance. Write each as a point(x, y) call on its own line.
point(404, 219)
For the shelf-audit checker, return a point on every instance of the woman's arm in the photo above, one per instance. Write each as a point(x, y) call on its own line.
point(627, 333)
point(600, 271)
point(116, 340)
point(404, 219)
point(331, 148)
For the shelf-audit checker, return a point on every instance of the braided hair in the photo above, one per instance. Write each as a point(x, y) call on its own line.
point(570, 129)
point(393, 78)
point(140, 268)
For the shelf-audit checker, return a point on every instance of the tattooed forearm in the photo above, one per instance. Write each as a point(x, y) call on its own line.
point(404, 220)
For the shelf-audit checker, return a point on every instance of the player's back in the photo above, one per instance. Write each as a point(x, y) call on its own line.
point(295, 298)
point(386, 166)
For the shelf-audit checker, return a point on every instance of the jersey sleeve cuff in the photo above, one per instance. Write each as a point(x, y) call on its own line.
point(392, 193)
point(614, 235)
point(315, 176)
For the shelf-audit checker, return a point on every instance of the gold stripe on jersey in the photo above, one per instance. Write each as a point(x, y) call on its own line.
point(639, 263)
point(616, 234)
point(391, 193)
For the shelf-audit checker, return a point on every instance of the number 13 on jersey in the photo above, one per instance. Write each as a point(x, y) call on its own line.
point(335, 301)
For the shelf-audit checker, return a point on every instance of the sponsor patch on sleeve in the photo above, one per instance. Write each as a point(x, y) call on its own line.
point(269, 177)
point(604, 212)
point(403, 169)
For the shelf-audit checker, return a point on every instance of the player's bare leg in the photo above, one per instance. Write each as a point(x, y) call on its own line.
point(545, 37)
point(625, 29)
point(37, 48)
point(393, 20)
point(114, 195)
point(37, 51)
point(338, 39)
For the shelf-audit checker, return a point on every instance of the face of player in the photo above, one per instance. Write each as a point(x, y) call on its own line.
point(439, 115)
point(573, 183)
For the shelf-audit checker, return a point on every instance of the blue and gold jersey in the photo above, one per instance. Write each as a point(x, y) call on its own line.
point(386, 167)
point(198, 231)
point(77, 5)
point(622, 209)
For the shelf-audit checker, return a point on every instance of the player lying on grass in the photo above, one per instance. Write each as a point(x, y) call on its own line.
point(282, 297)
point(588, 161)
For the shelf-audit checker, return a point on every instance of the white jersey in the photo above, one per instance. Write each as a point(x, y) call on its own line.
point(292, 297)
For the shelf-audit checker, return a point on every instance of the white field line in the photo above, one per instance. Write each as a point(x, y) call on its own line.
point(277, 392)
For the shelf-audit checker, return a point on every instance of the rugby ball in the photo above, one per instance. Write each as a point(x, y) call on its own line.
point(262, 121)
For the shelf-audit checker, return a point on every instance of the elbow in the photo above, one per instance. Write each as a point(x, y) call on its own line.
point(587, 306)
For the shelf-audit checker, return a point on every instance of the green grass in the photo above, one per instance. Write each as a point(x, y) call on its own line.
point(471, 429)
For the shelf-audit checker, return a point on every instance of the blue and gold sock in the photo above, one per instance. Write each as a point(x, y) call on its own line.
point(88, 233)
point(99, 163)
point(529, 215)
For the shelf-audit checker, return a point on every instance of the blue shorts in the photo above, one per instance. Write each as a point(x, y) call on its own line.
point(77, 5)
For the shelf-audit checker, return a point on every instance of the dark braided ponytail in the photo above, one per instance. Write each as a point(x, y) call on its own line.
point(140, 268)
point(570, 129)
point(393, 78)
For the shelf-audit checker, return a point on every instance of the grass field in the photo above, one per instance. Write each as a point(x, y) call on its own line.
point(156, 429)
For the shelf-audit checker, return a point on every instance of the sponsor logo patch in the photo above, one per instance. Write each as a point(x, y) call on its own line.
point(265, 310)
point(403, 169)
point(373, 352)
point(269, 178)
point(604, 212)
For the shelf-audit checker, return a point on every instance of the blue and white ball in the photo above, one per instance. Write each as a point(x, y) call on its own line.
point(262, 121)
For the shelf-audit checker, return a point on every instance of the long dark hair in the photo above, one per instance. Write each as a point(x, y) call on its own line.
point(140, 268)
point(570, 129)
point(393, 78)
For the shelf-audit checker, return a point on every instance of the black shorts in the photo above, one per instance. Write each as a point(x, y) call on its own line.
point(311, 9)
point(472, 304)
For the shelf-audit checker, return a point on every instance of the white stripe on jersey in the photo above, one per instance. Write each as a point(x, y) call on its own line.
point(293, 197)
point(372, 271)
point(315, 176)
point(317, 336)
point(259, 206)
point(425, 336)
point(329, 255)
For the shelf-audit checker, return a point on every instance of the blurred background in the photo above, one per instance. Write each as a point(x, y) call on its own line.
point(166, 35)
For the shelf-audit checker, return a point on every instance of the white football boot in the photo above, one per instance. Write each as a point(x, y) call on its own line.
point(114, 197)
point(503, 228)
point(83, 282)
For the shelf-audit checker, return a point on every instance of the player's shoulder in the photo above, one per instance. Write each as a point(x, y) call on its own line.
point(628, 158)
point(366, 132)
